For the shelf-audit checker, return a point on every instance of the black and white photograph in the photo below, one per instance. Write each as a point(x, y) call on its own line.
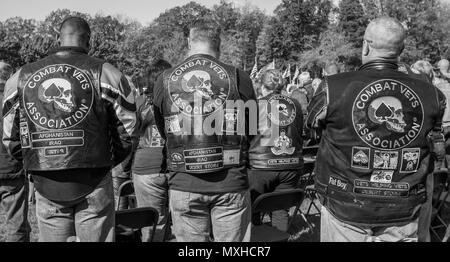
point(242, 122)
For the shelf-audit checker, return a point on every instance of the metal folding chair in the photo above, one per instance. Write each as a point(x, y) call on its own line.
point(126, 190)
point(129, 223)
point(441, 199)
point(275, 201)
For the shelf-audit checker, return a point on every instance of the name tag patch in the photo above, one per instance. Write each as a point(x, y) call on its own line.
point(204, 159)
point(369, 188)
point(284, 161)
point(56, 143)
point(338, 183)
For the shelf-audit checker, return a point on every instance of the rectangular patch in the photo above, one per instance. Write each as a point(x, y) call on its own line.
point(410, 160)
point(363, 187)
point(58, 143)
point(338, 183)
point(58, 151)
point(382, 176)
point(57, 139)
point(385, 160)
point(231, 157)
point(25, 135)
point(230, 120)
point(156, 139)
point(204, 159)
point(361, 157)
point(284, 161)
point(172, 124)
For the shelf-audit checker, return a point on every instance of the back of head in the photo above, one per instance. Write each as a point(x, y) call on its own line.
point(75, 31)
point(6, 71)
point(205, 36)
point(384, 39)
point(155, 70)
point(331, 69)
point(272, 80)
point(443, 64)
point(304, 77)
point(423, 66)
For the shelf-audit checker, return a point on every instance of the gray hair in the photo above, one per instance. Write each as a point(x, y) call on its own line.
point(6, 71)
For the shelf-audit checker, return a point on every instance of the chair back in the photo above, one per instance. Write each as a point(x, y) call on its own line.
point(136, 219)
point(127, 190)
point(270, 202)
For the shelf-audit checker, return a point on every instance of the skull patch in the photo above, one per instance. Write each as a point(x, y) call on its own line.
point(389, 111)
point(58, 91)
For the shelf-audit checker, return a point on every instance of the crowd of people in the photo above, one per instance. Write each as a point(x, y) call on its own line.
point(204, 140)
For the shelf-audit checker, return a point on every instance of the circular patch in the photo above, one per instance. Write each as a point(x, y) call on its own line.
point(281, 110)
point(58, 97)
point(387, 115)
point(199, 87)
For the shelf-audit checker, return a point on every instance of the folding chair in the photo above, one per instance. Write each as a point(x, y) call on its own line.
point(126, 190)
point(275, 201)
point(129, 223)
point(441, 199)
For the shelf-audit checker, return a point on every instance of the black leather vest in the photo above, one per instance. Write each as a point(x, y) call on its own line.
point(278, 145)
point(374, 155)
point(202, 133)
point(63, 122)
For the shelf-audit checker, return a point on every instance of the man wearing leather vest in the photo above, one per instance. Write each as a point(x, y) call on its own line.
point(71, 117)
point(276, 151)
point(206, 146)
point(13, 182)
point(381, 130)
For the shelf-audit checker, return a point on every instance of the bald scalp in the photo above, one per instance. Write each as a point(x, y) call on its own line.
point(205, 34)
point(75, 28)
point(386, 35)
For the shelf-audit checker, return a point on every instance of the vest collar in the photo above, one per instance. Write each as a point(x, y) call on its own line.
point(73, 49)
point(379, 65)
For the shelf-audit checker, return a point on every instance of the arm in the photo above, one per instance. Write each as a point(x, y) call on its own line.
point(247, 93)
point(436, 136)
point(158, 106)
point(119, 99)
point(11, 118)
point(317, 110)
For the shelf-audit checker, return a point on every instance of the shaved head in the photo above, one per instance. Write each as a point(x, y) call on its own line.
point(385, 38)
point(75, 31)
point(205, 36)
point(331, 69)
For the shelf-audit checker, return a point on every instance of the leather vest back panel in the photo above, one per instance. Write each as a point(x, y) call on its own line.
point(202, 133)
point(63, 122)
point(278, 145)
point(374, 155)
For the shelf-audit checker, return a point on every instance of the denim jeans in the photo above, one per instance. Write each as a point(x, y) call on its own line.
point(262, 182)
point(334, 230)
point(118, 178)
point(153, 191)
point(14, 201)
point(195, 216)
point(90, 219)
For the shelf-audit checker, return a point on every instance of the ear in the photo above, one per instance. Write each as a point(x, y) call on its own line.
point(189, 43)
point(365, 48)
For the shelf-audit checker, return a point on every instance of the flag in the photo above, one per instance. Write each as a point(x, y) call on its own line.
point(254, 70)
point(287, 73)
point(296, 74)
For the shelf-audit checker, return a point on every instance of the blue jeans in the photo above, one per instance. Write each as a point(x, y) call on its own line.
point(90, 219)
point(334, 230)
point(152, 191)
point(14, 201)
point(118, 178)
point(195, 216)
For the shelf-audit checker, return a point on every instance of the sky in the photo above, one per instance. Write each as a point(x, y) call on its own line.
point(143, 11)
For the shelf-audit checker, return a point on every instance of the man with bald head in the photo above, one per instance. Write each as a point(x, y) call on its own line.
point(381, 128)
point(71, 118)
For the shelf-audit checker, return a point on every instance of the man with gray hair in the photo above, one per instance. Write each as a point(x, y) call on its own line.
point(381, 130)
point(13, 182)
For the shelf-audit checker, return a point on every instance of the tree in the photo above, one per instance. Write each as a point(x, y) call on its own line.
point(352, 21)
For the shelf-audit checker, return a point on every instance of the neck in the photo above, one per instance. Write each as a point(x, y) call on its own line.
point(202, 51)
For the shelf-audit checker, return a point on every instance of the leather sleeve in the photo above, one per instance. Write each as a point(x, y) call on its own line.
point(119, 99)
point(317, 109)
point(11, 118)
point(436, 136)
